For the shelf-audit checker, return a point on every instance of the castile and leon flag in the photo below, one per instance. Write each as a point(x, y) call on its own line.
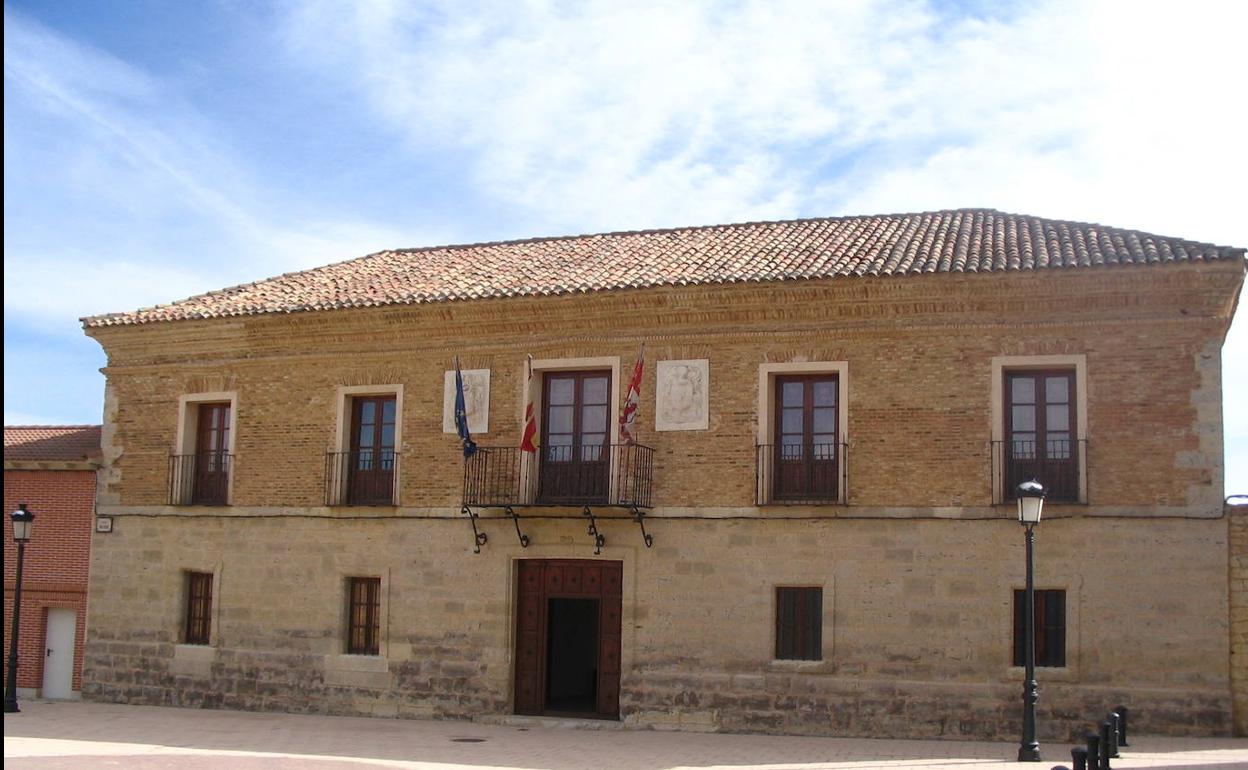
point(628, 417)
point(529, 441)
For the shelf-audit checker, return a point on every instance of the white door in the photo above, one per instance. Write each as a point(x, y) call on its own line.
point(58, 662)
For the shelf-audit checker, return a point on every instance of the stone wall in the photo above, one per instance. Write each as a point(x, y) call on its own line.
point(917, 570)
point(917, 624)
point(1237, 521)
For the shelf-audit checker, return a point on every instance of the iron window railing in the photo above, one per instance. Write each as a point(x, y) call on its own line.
point(801, 474)
point(198, 626)
point(363, 615)
point(503, 476)
point(362, 477)
point(202, 478)
point(1058, 464)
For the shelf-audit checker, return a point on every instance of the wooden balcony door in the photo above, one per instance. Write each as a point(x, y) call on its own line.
point(211, 480)
point(1041, 433)
point(370, 464)
point(807, 443)
point(576, 449)
point(568, 637)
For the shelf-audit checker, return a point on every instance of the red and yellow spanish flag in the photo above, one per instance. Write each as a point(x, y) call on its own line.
point(529, 441)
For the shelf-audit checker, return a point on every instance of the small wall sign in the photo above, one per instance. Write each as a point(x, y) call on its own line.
point(103, 524)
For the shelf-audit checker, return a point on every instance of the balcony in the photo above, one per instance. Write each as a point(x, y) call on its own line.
point(615, 474)
point(202, 478)
point(362, 477)
point(800, 474)
point(1058, 464)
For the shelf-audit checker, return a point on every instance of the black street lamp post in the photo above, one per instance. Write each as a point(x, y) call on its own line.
point(1030, 504)
point(23, 521)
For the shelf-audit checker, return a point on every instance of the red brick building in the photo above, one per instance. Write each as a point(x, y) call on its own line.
point(52, 470)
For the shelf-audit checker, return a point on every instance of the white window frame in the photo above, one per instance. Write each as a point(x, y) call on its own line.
point(383, 612)
point(533, 390)
point(1067, 673)
point(767, 374)
point(214, 631)
point(188, 431)
point(342, 422)
point(1002, 365)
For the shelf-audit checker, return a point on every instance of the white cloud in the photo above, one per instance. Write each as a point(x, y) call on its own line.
point(163, 209)
point(602, 115)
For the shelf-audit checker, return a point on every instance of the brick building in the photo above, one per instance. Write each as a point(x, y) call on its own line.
point(51, 468)
point(814, 533)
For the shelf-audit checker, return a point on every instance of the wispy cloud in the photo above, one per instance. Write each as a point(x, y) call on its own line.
point(601, 115)
point(165, 208)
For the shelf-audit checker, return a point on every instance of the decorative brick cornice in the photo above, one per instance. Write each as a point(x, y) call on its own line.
point(1202, 292)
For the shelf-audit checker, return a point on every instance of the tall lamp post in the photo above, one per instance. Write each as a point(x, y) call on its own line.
point(23, 521)
point(1030, 503)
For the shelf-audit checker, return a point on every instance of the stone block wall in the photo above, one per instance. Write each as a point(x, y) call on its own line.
point(917, 570)
point(917, 620)
point(1237, 524)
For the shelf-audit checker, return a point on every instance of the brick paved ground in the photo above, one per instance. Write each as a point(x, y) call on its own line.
point(87, 736)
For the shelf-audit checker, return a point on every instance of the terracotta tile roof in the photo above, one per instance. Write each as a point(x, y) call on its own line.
point(63, 443)
point(963, 240)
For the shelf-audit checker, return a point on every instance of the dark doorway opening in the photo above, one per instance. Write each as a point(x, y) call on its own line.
point(568, 637)
point(572, 656)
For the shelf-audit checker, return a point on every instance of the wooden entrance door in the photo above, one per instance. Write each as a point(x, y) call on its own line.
point(541, 581)
point(575, 449)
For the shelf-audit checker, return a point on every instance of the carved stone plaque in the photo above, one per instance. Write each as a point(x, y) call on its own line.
point(682, 395)
point(476, 400)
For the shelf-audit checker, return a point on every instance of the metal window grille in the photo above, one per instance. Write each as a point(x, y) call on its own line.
point(364, 616)
point(198, 607)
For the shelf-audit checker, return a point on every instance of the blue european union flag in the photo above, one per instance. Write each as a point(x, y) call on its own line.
point(461, 414)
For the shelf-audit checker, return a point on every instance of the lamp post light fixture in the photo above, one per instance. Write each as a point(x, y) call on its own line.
point(1030, 503)
point(23, 522)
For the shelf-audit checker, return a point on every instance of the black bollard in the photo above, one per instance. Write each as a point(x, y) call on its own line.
point(1122, 726)
point(1114, 722)
point(1106, 729)
point(1079, 756)
point(1094, 751)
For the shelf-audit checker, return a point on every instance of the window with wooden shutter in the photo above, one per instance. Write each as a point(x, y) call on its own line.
point(1050, 627)
point(806, 463)
point(1041, 438)
point(373, 456)
point(799, 623)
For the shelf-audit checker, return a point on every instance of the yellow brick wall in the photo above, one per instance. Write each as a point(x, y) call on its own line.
point(918, 567)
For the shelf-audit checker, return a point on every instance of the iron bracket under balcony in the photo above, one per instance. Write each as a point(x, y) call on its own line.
point(585, 477)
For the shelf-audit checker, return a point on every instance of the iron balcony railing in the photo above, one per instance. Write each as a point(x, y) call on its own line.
point(614, 474)
point(801, 474)
point(1058, 464)
point(202, 478)
point(362, 477)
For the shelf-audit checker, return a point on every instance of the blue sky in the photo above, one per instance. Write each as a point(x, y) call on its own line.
point(154, 150)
